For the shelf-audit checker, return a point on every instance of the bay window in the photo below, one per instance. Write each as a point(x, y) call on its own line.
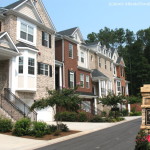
point(31, 66)
point(20, 69)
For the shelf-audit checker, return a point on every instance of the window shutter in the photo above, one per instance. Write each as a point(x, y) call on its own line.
point(49, 41)
point(68, 78)
point(50, 70)
point(74, 79)
point(39, 64)
point(42, 38)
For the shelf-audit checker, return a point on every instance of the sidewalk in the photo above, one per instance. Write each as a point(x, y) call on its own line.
point(17, 143)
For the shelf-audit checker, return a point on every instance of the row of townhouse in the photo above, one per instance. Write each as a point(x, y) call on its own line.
point(97, 69)
point(34, 58)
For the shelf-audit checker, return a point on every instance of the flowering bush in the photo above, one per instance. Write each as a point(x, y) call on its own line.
point(142, 141)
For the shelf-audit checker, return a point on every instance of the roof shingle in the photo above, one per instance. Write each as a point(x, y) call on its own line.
point(68, 32)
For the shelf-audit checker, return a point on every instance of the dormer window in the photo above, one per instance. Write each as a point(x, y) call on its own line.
point(82, 57)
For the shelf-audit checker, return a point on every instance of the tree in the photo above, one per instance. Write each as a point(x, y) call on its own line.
point(65, 98)
point(112, 100)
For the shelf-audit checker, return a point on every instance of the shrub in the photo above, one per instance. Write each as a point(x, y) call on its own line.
point(63, 127)
point(125, 112)
point(138, 113)
point(57, 132)
point(5, 125)
point(71, 116)
point(66, 116)
point(97, 119)
point(82, 117)
point(142, 141)
point(39, 129)
point(104, 114)
point(22, 127)
point(51, 129)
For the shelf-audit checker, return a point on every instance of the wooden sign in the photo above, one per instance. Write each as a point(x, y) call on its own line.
point(147, 117)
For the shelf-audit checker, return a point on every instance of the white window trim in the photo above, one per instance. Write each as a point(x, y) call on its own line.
point(19, 65)
point(82, 54)
point(72, 73)
point(19, 21)
point(71, 49)
point(118, 86)
point(81, 74)
point(88, 81)
point(44, 70)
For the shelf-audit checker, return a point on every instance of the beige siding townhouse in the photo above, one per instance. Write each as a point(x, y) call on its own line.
point(27, 55)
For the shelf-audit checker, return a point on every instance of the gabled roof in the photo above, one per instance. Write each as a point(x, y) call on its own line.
point(118, 60)
point(21, 45)
point(15, 4)
point(96, 73)
point(93, 43)
point(2, 34)
point(68, 32)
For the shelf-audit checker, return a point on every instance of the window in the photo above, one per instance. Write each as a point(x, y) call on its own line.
point(20, 65)
point(87, 81)
point(92, 57)
point(82, 80)
point(71, 79)
point(46, 39)
point(110, 66)
point(122, 72)
point(70, 50)
point(43, 69)
point(99, 62)
point(82, 57)
point(114, 70)
point(31, 66)
point(105, 64)
point(118, 86)
point(26, 32)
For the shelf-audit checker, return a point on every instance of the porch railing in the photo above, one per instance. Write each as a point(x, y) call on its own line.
point(87, 107)
point(20, 105)
point(10, 108)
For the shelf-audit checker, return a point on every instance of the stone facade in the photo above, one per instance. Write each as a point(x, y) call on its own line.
point(145, 91)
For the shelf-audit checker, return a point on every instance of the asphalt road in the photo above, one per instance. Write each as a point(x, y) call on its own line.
point(120, 137)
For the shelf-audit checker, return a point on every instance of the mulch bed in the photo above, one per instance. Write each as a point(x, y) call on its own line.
point(46, 137)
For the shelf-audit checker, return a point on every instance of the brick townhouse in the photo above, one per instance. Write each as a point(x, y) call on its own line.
point(72, 66)
point(27, 56)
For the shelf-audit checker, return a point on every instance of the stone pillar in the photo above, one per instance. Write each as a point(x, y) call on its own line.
point(145, 91)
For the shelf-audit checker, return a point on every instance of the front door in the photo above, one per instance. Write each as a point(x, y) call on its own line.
point(4, 74)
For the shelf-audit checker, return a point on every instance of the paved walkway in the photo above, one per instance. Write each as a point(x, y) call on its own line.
point(17, 143)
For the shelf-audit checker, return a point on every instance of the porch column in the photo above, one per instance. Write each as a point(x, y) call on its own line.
point(60, 77)
point(129, 108)
point(106, 87)
point(12, 74)
point(99, 85)
point(127, 89)
point(95, 105)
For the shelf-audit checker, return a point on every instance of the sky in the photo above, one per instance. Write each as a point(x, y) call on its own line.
point(93, 15)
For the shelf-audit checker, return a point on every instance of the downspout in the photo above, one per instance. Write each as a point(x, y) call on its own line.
point(63, 58)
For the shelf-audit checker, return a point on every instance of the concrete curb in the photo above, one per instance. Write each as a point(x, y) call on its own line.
point(61, 139)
